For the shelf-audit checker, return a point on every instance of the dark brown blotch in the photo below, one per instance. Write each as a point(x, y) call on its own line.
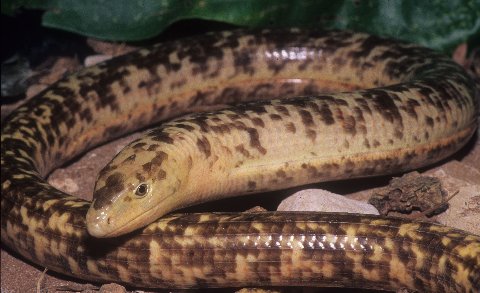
point(410, 108)
point(258, 122)
point(366, 143)
point(307, 118)
point(241, 149)
point(107, 169)
point(290, 127)
point(326, 114)
point(311, 134)
point(204, 146)
point(398, 133)
point(130, 159)
point(275, 117)
point(147, 167)
point(113, 185)
point(349, 125)
point(349, 166)
point(152, 147)
point(139, 145)
point(161, 174)
point(384, 103)
point(311, 170)
point(282, 110)
point(159, 134)
point(185, 126)
point(201, 121)
point(140, 177)
point(429, 121)
point(159, 158)
point(281, 174)
point(426, 135)
point(255, 140)
point(221, 128)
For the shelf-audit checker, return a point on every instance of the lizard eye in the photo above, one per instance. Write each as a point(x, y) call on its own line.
point(141, 190)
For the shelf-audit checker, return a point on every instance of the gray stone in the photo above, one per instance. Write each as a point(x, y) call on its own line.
point(324, 201)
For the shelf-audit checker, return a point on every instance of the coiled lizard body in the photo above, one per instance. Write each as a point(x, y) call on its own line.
point(420, 109)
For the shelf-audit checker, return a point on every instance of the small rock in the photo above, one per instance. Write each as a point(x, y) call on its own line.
point(411, 192)
point(95, 59)
point(66, 184)
point(324, 201)
point(112, 288)
point(256, 209)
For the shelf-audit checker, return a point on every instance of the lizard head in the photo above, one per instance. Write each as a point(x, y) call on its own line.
point(134, 190)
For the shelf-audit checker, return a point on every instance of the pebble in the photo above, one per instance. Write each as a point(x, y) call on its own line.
point(319, 200)
point(66, 184)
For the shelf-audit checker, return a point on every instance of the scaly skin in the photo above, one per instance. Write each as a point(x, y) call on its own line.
point(421, 110)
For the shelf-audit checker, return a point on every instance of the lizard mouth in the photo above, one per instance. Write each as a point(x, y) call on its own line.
point(102, 224)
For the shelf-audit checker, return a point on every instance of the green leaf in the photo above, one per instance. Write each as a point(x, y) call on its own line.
point(439, 24)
